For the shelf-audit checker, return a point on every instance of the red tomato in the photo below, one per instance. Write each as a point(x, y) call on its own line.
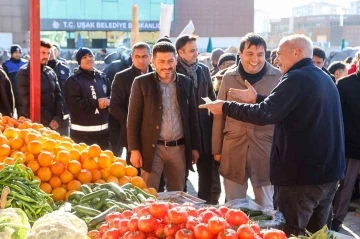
point(236, 217)
point(136, 235)
point(216, 224)
point(166, 219)
point(103, 228)
point(144, 211)
point(202, 231)
point(228, 234)
point(188, 204)
point(177, 215)
point(248, 231)
point(159, 210)
point(152, 237)
point(214, 210)
point(127, 214)
point(112, 233)
point(114, 223)
point(147, 223)
point(173, 204)
point(274, 234)
point(191, 223)
point(122, 226)
point(171, 229)
point(201, 210)
point(150, 234)
point(112, 216)
point(205, 216)
point(94, 234)
point(133, 224)
point(138, 208)
point(191, 211)
point(184, 234)
point(159, 232)
point(223, 210)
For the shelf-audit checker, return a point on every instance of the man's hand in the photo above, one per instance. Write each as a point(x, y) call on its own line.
point(103, 103)
point(215, 107)
point(217, 157)
point(54, 124)
point(136, 159)
point(244, 96)
point(195, 156)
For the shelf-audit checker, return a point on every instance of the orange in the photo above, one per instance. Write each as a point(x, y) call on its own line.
point(3, 140)
point(45, 159)
point(37, 178)
point(29, 156)
point(117, 169)
point(58, 149)
point(9, 161)
point(22, 119)
point(84, 176)
point(138, 181)
point(5, 150)
point(31, 137)
point(50, 145)
point(24, 149)
point(46, 188)
point(74, 166)
point(66, 176)
point(19, 155)
point(110, 154)
point(66, 145)
point(34, 147)
point(146, 190)
point(113, 179)
point(44, 174)
point(17, 143)
point(96, 174)
point(94, 151)
point(84, 155)
point(55, 182)
point(89, 164)
point(105, 173)
point(73, 185)
point(104, 161)
point(63, 156)
point(10, 132)
point(74, 154)
point(55, 135)
point(67, 139)
point(83, 146)
point(5, 119)
point(120, 160)
point(100, 181)
point(33, 165)
point(2, 158)
point(153, 191)
point(58, 194)
point(68, 194)
point(57, 168)
point(124, 180)
point(77, 147)
point(64, 186)
point(131, 171)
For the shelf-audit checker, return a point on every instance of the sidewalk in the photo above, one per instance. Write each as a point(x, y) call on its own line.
point(351, 222)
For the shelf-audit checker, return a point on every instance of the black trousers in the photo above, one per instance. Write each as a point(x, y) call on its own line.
point(209, 179)
point(100, 139)
point(114, 136)
point(306, 207)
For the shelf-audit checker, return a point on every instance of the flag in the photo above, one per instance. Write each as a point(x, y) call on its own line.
point(342, 44)
point(209, 46)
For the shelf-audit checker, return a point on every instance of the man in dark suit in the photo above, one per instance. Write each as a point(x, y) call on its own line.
point(121, 87)
point(163, 130)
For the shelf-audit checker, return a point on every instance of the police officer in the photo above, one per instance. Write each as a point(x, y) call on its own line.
point(62, 72)
point(87, 94)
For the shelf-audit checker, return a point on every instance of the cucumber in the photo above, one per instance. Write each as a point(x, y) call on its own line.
point(97, 203)
point(261, 217)
point(101, 217)
point(88, 211)
point(93, 195)
point(85, 189)
point(119, 192)
point(127, 186)
point(124, 206)
point(141, 198)
point(145, 194)
point(75, 196)
point(253, 213)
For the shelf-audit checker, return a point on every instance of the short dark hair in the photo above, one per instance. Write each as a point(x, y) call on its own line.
point(46, 44)
point(336, 65)
point(317, 51)
point(253, 40)
point(163, 47)
point(140, 45)
point(348, 59)
point(182, 40)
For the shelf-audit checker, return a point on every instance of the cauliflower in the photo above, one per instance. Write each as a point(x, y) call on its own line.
point(59, 225)
point(14, 224)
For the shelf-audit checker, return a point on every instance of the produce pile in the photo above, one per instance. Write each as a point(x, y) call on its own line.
point(60, 165)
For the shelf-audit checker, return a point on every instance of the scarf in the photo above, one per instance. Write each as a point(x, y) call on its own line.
point(52, 63)
point(191, 70)
point(251, 78)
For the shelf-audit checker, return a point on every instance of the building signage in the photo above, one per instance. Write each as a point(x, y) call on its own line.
point(95, 25)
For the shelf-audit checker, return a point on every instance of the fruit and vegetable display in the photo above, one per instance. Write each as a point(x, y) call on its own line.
point(55, 188)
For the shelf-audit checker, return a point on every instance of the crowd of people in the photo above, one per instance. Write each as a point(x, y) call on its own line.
point(278, 119)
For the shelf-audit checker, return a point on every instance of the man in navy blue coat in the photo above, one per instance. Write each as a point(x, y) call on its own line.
point(307, 158)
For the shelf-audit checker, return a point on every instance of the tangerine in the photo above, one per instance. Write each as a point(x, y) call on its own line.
point(113, 179)
point(63, 156)
point(96, 174)
point(46, 188)
point(57, 168)
point(10, 132)
point(66, 176)
point(94, 151)
point(74, 154)
point(16, 143)
point(31, 137)
point(55, 182)
point(74, 167)
point(89, 164)
point(117, 169)
point(50, 145)
point(45, 158)
point(33, 165)
point(100, 181)
point(138, 182)
point(34, 147)
point(3, 140)
point(104, 161)
point(131, 171)
point(124, 180)
point(58, 194)
point(44, 173)
point(5, 150)
point(74, 185)
point(105, 173)
point(84, 176)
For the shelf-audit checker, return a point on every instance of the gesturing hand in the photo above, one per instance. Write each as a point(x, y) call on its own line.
point(244, 96)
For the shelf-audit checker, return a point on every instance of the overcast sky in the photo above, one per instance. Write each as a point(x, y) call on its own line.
point(282, 8)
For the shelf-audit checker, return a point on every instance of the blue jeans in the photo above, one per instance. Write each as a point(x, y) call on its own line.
point(307, 207)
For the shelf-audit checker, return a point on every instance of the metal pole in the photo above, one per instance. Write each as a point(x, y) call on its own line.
point(35, 78)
